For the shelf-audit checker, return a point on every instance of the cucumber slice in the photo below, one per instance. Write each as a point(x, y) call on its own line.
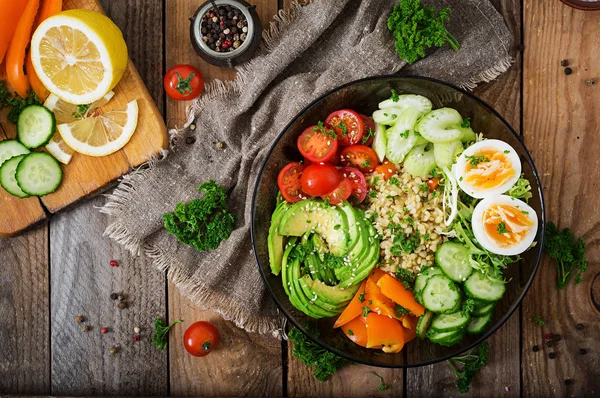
point(445, 154)
point(481, 288)
point(7, 177)
point(380, 141)
point(449, 322)
point(401, 137)
point(420, 140)
point(38, 174)
point(484, 310)
point(440, 295)
point(420, 161)
point(441, 125)
point(478, 324)
point(11, 148)
point(423, 324)
point(422, 278)
point(35, 126)
point(453, 259)
point(423, 104)
point(446, 338)
point(468, 134)
point(386, 116)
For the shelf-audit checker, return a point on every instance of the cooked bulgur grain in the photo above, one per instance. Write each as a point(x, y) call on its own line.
point(409, 219)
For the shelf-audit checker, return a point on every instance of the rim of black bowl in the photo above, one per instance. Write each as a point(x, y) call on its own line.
point(489, 332)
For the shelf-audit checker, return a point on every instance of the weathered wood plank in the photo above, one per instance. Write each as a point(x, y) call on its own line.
point(561, 125)
point(245, 364)
point(24, 302)
point(81, 283)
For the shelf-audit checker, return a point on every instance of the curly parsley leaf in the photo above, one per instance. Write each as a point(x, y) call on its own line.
point(471, 363)
point(568, 252)
point(15, 102)
point(161, 333)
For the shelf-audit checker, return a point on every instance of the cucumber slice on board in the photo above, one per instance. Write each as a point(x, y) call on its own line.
point(423, 324)
point(423, 104)
point(35, 126)
point(482, 288)
point(440, 295)
point(449, 322)
point(380, 141)
point(419, 162)
point(441, 125)
point(445, 154)
point(7, 177)
point(453, 259)
point(39, 174)
point(11, 148)
point(478, 324)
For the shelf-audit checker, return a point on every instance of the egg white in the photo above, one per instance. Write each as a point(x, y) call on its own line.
point(488, 243)
point(462, 161)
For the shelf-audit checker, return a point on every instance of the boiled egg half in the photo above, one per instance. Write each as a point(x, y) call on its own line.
point(504, 225)
point(488, 167)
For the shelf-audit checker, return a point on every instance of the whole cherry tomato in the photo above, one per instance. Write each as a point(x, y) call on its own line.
point(183, 82)
point(200, 338)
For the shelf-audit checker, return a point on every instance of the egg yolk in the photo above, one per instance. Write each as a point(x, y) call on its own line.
point(488, 168)
point(506, 225)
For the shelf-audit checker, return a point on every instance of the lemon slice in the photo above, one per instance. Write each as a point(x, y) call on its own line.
point(101, 135)
point(79, 55)
point(65, 113)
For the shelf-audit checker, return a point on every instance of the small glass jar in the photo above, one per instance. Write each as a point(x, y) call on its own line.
point(246, 48)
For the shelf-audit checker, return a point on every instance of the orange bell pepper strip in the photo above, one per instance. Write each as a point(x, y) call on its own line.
point(9, 17)
point(392, 288)
point(384, 331)
point(356, 330)
point(15, 56)
point(353, 309)
point(48, 9)
point(409, 334)
point(387, 169)
point(376, 274)
point(409, 323)
point(378, 302)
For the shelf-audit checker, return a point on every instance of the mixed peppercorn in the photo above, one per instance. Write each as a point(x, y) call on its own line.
point(224, 29)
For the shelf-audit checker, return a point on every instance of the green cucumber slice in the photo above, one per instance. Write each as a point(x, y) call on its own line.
point(35, 126)
point(420, 161)
point(423, 104)
point(482, 288)
point(440, 295)
point(449, 322)
point(38, 174)
point(7, 177)
point(423, 324)
point(453, 259)
point(484, 310)
point(446, 338)
point(445, 153)
point(422, 278)
point(10, 149)
point(441, 125)
point(478, 324)
point(468, 134)
point(386, 116)
point(380, 141)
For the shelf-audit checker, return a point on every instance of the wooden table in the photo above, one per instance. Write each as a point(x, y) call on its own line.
point(58, 271)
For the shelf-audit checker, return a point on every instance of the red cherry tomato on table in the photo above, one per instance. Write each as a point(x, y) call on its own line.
point(289, 182)
point(360, 156)
point(319, 179)
point(318, 143)
point(183, 82)
point(341, 193)
point(200, 338)
point(387, 169)
point(367, 138)
point(348, 125)
point(357, 181)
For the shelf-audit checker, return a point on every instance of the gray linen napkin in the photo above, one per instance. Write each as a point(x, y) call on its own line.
point(307, 51)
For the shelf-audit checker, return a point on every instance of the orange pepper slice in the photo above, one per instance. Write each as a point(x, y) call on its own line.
point(384, 331)
point(353, 309)
point(377, 302)
point(376, 274)
point(393, 289)
point(356, 330)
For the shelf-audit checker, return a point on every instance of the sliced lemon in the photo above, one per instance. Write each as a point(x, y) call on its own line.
point(79, 55)
point(66, 113)
point(101, 135)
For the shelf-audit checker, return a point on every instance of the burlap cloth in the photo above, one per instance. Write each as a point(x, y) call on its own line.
point(307, 51)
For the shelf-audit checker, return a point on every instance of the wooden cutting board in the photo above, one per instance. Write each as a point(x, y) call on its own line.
point(85, 175)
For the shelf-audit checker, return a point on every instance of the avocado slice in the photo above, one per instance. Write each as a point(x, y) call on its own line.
point(276, 241)
point(315, 216)
point(306, 284)
point(334, 295)
point(284, 265)
point(360, 267)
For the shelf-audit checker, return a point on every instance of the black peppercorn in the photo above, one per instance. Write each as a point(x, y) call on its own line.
point(582, 351)
point(579, 326)
point(229, 15)
point(556, 337)
point(568, 71)
point(568, 382)
point(190, 140)
point(564, 62)
point(535, 348)
point(204, 30)
point(552, 355)
point(114, 296)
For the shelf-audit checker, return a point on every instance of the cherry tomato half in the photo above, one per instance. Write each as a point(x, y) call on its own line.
point(318, 143)
point(433, 183)
point(360, 156)
point(387, 169)
point(183, 82)
point(319, 179)
point(341, 193)
point(289, 182)
point(358, 182)
point(348, 125)
point(367, 138)
point(200, 338)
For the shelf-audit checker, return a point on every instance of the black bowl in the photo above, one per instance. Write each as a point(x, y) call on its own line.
point(363, 96)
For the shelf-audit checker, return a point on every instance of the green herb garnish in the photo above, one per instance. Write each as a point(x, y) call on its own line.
point(161, 333)
point(400, 310)
point(405, 134)
point(538, 320)
point(81, 111)
point(501, 228)
point(405, 277)
point(394, 181)
point(382, 385)
point(471, 364)
point(366, 311)
point(361, 297)
point(350, 332)
point(395, 97)
point(466, 123)
point(15, 102)
point(568, 252)
point(474, 160)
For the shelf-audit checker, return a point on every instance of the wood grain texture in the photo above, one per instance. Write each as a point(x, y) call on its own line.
point(81, 283)
point(561, 125)
point(245, 364)
point(24, 302)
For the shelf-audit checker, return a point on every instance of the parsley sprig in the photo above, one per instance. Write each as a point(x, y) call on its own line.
point(568, 252)
point(474, 160)
point(161, 332)
point(15, 103)
point(471, 364)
